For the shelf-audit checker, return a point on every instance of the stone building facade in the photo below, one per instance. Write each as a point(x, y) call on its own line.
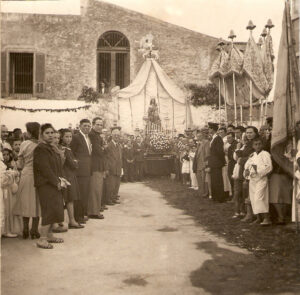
point(62, 53)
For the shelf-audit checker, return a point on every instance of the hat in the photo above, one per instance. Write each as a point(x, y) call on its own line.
point(203, 130)
point(213, 126)
point(181, 135)
point(114, 128)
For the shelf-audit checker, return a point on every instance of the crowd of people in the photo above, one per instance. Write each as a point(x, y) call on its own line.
point(234, 164)
point(45, 171)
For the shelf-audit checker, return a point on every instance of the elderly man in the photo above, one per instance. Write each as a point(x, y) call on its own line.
point(200, 161)
point(4, 137)
point(113, 167)
point(98, 154)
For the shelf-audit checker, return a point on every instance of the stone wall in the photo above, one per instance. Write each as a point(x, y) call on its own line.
point(69, 44)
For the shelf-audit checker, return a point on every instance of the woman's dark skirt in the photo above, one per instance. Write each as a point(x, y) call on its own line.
point(52, 205)
point(71, 193)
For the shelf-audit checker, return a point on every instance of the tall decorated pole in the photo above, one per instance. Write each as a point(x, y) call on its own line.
point(251, 27)
point(261, 102)
point(232, 36)
point(220, 46)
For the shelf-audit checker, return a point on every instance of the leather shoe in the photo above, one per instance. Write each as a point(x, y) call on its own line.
point(85, 218)
point(110, 203)
point(100, 216)
point(59, 229)
point(117, 202)
point(75, 226)
point(81, 221)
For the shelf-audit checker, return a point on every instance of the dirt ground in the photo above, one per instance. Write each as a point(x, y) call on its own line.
point(274, 265)
point(161, 240)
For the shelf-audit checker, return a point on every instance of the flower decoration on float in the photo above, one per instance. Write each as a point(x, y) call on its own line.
point(159, 142)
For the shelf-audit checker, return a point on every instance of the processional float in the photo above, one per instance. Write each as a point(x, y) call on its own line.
point(244, 79)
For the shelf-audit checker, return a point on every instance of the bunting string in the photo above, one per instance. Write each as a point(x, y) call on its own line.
point(86, 107)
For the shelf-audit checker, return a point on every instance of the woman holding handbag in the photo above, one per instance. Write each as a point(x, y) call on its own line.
point(48, 180)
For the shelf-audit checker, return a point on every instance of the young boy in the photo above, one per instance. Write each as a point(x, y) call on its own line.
point(258, 166)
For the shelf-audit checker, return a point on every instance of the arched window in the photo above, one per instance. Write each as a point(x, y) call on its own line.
point(113, 59)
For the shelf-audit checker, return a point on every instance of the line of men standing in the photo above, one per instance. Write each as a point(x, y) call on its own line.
point(100, 169)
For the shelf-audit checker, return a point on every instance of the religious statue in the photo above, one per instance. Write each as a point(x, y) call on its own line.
point(153, 115)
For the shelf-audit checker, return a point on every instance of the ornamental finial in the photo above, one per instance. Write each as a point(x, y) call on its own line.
point(264, 33)
point(146, 47)
point(232, 35)
point(269, 24)
point(221, 42)
point(260, 41)
point(250, 26)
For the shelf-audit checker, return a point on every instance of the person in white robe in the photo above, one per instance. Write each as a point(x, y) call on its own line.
point(257, 168)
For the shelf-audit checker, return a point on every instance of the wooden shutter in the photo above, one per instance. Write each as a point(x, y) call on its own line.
point(40, 74)
point(3, 74)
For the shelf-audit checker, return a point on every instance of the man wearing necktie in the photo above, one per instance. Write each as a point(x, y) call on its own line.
point(98, 155)
point(113, 167)
point(82, 149)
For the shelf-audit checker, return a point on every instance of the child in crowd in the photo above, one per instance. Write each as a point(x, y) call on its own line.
point(237, 187)
point(257, 168)
point(16, 143)
point(8, 159)
point(185, 169)
point(194, 182)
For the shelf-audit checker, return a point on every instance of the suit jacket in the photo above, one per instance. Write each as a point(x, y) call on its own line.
point(217, 156)
point(113, 162)
point(139, 150)
point(81, 153)
point(201, 156)
point(47, 166)
point(231, 161)
point(98, 151)
point(245, 153)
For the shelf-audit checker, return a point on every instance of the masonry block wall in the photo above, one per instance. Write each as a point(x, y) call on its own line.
point(69, 44)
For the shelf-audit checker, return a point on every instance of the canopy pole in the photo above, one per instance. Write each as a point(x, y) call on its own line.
point(266, 111)
point(186, 113)
point(131, 113)
point(219, 100)
point(241, 110)
point(145, 100)
point(173, 120)
point(250, 111)
point(261, 114)
point(225, 100)
point(234, 100)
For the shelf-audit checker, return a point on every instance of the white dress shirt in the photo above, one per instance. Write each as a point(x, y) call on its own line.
point(87, 140)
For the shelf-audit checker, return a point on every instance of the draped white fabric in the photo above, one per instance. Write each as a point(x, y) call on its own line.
point(152, 82)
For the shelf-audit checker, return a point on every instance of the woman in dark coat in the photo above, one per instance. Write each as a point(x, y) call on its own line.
point(47, 169)
point(69, 170)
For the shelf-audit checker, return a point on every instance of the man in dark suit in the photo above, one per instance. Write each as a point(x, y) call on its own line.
point(113, 167)
point(82, 149)
point(231, 161)
point(216, 161)
point(98, 154)
point(139, 150)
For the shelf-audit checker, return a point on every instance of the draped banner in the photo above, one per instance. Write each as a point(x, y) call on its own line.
point(286, 97)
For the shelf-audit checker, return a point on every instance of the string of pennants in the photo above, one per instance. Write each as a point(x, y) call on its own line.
point(86, 107)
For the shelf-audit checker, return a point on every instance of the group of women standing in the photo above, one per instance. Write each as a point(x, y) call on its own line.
point(47, 181)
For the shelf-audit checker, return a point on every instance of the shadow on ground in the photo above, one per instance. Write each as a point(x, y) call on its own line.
point(273, 267)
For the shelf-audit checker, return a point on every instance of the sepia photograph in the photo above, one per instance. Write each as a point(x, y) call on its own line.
point(150, 147)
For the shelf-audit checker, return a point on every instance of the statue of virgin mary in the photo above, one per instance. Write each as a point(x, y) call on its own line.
point(153, 114)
